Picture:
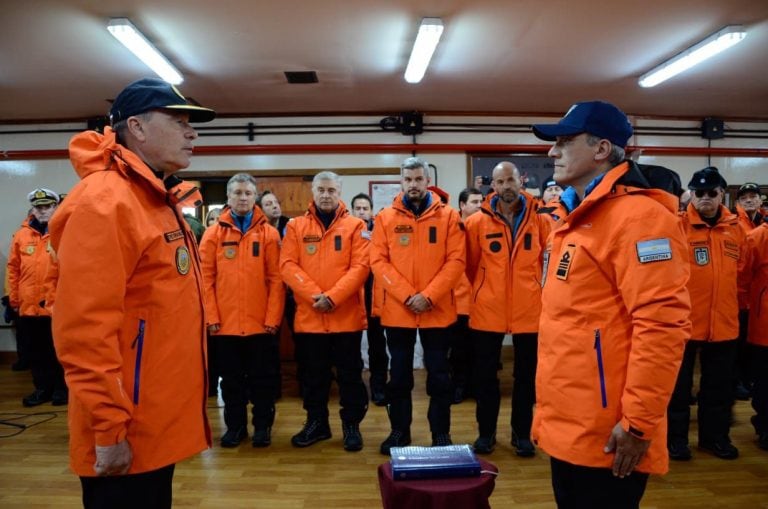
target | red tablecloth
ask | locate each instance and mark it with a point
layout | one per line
(460, 492)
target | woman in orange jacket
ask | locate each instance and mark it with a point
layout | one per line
(716, 256)
(244, 297)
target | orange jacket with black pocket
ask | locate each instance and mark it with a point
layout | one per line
(717, 257)
(243, 288)
(614, 322)
(505, 273)
(410, 255)
(334, 262)
(128, 318)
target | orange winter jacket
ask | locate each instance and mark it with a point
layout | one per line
(716, 255)
(463, 290)
(243, 288)
(756, 281)
(128, 319)
(506, 273)
(424, 254)
(28, 259)
(614, 322)
(745, 221)
(333, 262)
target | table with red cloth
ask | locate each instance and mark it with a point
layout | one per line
(458, 492)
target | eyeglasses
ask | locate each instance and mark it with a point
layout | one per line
(711, 193)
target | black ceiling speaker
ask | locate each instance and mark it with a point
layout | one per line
(411, 122)
(712, 128)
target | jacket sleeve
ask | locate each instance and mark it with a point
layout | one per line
(50, 281)
(13, 272)
(303, 286)
(743, 272)
(385, 274)
(474, 250)
(357, 272)
(275, 287)
(100, 235)
(455, 260)
(208, 246)
(656, 297)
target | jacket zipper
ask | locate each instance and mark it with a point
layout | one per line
(760, 301)
(600, 369)
(482, 282)
(138, 344)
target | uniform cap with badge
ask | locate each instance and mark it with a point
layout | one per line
(748, 187)
(43, 196)
(706, 179)
(597, 118)
(149, 94)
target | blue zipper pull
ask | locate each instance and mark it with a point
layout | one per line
(139, 335)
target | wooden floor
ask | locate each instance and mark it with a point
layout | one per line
(34, 472)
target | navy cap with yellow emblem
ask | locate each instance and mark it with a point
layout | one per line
(43, 196)
(149, 94)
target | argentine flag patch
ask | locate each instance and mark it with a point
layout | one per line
(654, 250)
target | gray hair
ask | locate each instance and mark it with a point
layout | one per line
(414, 162)
(616, 156)
(326, 175)
(121, 127)
(241, 178)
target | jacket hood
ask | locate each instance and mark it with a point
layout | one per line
(91, 152)
(626, 178)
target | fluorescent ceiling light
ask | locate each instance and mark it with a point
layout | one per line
(696, 54)
(124, 31)
(426, 41)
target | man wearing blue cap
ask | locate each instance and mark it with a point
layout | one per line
(128, 318)
(615, 315)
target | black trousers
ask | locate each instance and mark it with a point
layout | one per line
(759, 356)
(718, 372)
(317, 355)
(578, 487)
(148, 490)
(436, 342)
(248, 366)
(47, 373)
(524, 391)
(378, 360)
(213, 365)
(486, 352)
(461, 357)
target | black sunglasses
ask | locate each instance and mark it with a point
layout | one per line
(711, 193)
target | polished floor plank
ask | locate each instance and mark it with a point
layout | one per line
(34, 471)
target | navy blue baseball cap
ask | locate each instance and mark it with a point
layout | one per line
(149, 94)
(593, 117)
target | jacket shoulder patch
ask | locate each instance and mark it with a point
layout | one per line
(655, 250)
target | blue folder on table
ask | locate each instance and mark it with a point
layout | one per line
(434, 462)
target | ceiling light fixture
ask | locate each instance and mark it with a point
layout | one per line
(125, 32)
(694, 55)
(429, 34)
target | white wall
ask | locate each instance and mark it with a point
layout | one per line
(17, 178)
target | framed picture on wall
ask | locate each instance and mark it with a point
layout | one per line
(382, 192)
(533, 169)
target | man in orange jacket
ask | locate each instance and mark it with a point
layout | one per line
(756, 284)
(417, 258)
(324, 260)
(470, 200)
(128, 318)
(748, 206)
(716, 255)
(29, 258)
(244, 306)
(505, 246)
(615, 315)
